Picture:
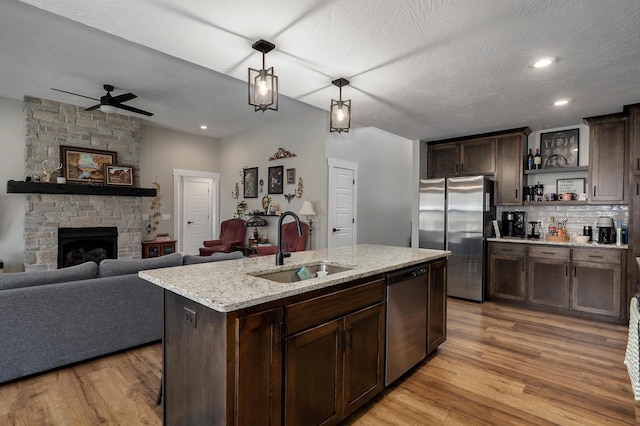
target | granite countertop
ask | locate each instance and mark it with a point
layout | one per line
(557, 243)
(228, 285)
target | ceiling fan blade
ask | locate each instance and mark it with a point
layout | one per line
(124, 97)
(75, 94)
(91, 108)
(136, 110)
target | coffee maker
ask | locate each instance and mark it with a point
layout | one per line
(513, 224)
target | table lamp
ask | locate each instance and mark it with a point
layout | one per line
(308, 210)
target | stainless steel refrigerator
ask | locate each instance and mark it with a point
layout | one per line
(456, 214)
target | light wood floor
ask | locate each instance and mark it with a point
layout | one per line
(500, 365)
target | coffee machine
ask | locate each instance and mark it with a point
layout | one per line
(513, 224)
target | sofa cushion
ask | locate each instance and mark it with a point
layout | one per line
(114, 267)
(83, 271)
(190, 259)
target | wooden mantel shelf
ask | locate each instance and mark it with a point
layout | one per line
(18, 187)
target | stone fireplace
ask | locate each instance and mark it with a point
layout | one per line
(79, 245)
(50, 124)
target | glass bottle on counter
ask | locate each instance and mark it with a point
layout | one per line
(552, 226)
(539, 192)
(537, 159)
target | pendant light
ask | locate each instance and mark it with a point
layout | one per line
(263, 84)
(340, 110)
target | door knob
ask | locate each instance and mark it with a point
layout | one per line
(336, 229)
(189, 222)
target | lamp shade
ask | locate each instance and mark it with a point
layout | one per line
(307, 209)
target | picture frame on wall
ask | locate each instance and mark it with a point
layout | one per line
(291, 176)
(560, 149)
(276, 174)
(85, 165)
(118, 175)
(250, 179)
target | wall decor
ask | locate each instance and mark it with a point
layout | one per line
(300, 188)
(116, 174)
(570, 186)
(235, 194)
(251, 182)
(275, 180)
(266, 200)
(560, 149)
(261, 185)
(282, 153)
(155, 206)
(47, 174)
(85, 164)
(289, 197)
(291, 175)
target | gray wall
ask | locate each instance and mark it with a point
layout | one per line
(162, 151)
(385, 183)
(11, 167)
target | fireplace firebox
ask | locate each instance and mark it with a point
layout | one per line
(79, 245)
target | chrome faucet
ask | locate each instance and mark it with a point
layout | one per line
(279, 255)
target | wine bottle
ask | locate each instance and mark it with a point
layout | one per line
(537, 159)
(530, 160)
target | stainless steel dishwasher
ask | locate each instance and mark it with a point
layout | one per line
(406, 320)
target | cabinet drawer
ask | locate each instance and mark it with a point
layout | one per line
(308, 313)
(512, 249)
(611, 256)
(550, 252)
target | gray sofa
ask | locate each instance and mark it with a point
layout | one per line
(54, 318)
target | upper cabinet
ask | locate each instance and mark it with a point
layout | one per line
(509, 168)
(464, 158)
(608, 165)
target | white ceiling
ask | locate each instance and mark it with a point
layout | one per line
(419, 69)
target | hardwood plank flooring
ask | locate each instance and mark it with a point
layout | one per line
(500, 365)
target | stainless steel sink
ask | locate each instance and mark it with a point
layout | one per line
(291, 276)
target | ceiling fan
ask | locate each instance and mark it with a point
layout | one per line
(110, 103)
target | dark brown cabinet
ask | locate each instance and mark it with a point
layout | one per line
(584, 282)
(334, 367)
(548, 276)
(634, 202)
(437, 306)
(608, 159)
(509, 169)
(596, 282)
(465, 158)
(507, 271)
(258, 367)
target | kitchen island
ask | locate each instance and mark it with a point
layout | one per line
(241, 349)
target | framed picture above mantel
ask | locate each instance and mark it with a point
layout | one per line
(85, 165)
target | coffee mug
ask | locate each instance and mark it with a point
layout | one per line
(566, 197)
(583, 197)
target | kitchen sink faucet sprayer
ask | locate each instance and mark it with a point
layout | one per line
(279, 255)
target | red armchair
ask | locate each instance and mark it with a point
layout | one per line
(290, 237)
(232, 232)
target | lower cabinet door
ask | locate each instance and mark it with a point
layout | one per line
(437, 306)
(363, 356)
(313, 373)
(596, 288)
(548, 282)
(507, 277)
(259, 368)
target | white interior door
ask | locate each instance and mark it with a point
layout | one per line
(197, 213)
(196, 208)
(342, 203)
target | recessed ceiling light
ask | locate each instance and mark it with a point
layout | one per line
(561, 102)
(203, 126)
(543, 62)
